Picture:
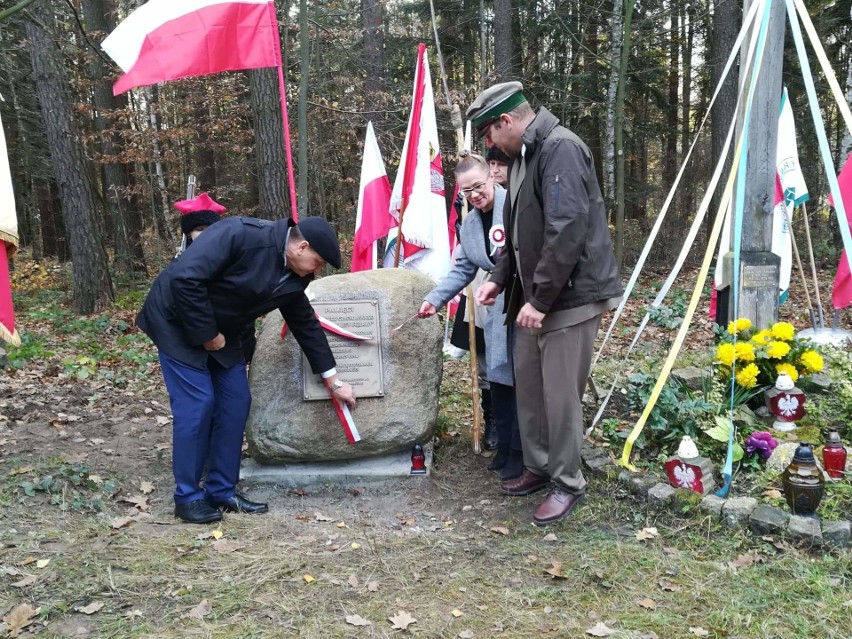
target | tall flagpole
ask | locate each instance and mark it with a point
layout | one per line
(282, 91)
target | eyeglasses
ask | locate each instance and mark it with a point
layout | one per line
(476, 188)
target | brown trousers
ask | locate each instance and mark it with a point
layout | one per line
(551, 372)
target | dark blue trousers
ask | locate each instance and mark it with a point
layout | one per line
(210, 407)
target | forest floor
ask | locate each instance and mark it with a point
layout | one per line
(89, 546)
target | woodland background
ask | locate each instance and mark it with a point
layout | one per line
(95, 176)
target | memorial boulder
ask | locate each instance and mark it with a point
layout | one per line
(396, 374)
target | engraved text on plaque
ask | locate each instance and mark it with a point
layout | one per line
(359, 362)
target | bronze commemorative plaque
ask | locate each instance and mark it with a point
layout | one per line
(359, 361)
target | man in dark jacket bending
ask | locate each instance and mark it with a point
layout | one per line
(196, 313)
(559, 273)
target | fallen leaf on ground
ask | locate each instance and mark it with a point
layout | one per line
(19, 618)
(600, 629)
(341, 524)
(353, 581)
(699, 631)
(555, 570)
(308, 579)
(201, 610)
(226, 545)
(466, 634)
(772, 493)
(210, 534)
(373, 586)
(26, 581)
(21, 470)
(500, 530)
(742, 561)
(140, 501)
(647, 533)
(549, 537)
(650, 604)
(669, 586)
(456, 613)
(91, 609)
(42, 563)
(146, 487)
(401, 620)
(355, 545)
(27, 561)
(320, 517)
(122, 522)
(357, 620)
(162, 421)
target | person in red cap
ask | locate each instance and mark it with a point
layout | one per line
(237, 270)
(196, 215)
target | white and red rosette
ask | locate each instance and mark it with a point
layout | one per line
(497, 236)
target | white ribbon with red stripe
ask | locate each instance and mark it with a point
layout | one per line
(344, 416)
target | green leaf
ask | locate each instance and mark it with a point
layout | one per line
(738, 452)
(721, 431)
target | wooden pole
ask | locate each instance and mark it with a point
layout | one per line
(455, 114)
(820, 317)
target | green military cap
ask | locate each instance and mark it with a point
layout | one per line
(494, 102)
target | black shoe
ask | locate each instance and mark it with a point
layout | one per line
(197, 512)
(500, 458)
(239, 504)
(514, 465)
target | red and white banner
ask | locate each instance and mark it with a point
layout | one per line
(373, 220)
(841, 294)
(8, 245)
(418, 191)
(169, 39)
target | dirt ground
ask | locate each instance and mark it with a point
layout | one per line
(90, 548)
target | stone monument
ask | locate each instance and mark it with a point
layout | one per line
(396, 374)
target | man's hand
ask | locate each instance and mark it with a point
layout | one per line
(215, 344)
(427, 310)
(345, 394)
(487, 294)
(529, 317)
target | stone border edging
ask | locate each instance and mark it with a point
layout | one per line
(734, 512)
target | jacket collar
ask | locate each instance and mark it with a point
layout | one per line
(539, 129)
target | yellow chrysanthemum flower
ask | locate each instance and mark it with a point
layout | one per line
(789, 369)
(812, 361)
(762, 337)
(777, 350)
(744, 352)
(725, 354)
(783, 331)
(739, 325)
(747, 377)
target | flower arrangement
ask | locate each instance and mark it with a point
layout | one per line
(756, 358)
(762, 443)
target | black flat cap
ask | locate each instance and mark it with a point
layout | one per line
(322, 238)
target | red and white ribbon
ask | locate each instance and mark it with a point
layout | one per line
(344, 416)
(497, 235)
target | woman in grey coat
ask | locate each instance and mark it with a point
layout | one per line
(481, 237)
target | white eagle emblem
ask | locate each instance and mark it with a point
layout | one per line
(788, 405)
(684, 476)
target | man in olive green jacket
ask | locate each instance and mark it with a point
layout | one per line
(560, 276)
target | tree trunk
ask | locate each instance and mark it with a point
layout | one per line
(726, 20)
(617, 26)
(305, 64)
(269, 145)
(671, 134)
(92, 283)
(846, 143)
(619, 133)
(126, 221)
(374, 59)
(687, 195)
(504, 51)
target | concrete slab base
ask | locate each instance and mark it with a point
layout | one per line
(343, 473)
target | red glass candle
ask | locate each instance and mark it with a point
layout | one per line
(418, 460)
(834, 455)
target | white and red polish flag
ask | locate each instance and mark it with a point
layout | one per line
(8, 245)
(841, 294)
(373, 220)
(170, 39)
(418, 191)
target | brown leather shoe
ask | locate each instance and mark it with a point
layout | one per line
(526, 484)
(556, 506)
